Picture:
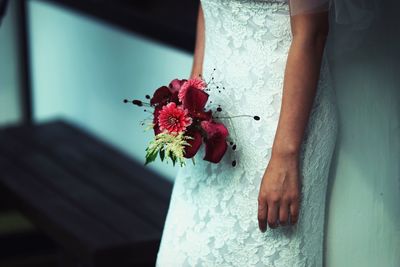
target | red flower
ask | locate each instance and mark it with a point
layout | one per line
(195, 101)
(156, 127)
(161, 96)
(173, 118)
(195, 143)
(164, 94)
(196, 83)
(216, 145)
(190, 117)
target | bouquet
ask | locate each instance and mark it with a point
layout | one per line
(181, 123)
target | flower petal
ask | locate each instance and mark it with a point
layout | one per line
(213, 129)
(203, 115)
(161, 96)
(195, 100)
(173, 118)
(215, 149)
(174, 98)
(175, 85)
(195, 143)
(156, 126)
(215, 141)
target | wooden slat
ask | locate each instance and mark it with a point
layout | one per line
(41, 204)
(21, 243)
(58, 147)
(75, 158)
(100, 207)
(113, 159)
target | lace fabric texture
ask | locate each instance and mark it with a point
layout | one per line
(212, 217)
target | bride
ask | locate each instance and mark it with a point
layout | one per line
(263, 204)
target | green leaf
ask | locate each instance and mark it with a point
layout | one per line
(162, 154)
(173, 159)
(151, 157)
(182, 162)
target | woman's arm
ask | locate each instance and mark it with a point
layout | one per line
(280, 190)
(301, 77)
(197, 67)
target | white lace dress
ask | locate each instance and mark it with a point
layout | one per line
(212, 217)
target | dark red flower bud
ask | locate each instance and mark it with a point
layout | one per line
(161, 96)
(215, 141)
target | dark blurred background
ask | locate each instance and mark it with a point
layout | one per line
(73, 191)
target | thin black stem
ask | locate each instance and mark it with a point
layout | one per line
(229, 117)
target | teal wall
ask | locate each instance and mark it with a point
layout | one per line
(363, 226)
(9, 69)
(83, 69)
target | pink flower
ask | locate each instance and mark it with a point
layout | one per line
(175, 85)
(195, 83)
(173, 118)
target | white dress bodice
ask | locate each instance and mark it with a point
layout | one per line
(212, 218)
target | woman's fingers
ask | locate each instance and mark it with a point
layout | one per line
(294, 212)
(273, 213)
(284, 213)
(262, 216)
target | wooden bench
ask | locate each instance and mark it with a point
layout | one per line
(101, 207)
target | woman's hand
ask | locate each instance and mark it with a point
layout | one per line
(279, 193)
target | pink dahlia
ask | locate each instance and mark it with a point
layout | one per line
(195, 83)
(173, 118)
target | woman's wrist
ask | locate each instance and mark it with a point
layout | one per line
(286, 151)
